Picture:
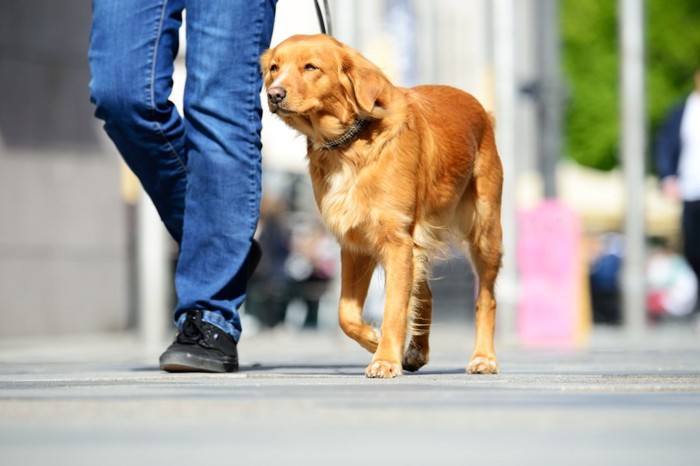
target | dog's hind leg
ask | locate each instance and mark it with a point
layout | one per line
(485, 242)
(483, 360)
(356, 275)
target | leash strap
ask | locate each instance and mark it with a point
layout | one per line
(325, 24)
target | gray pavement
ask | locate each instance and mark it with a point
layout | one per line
(301, 399)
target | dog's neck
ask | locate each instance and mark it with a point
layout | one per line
(348, 136)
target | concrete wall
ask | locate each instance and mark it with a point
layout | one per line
(63, 261)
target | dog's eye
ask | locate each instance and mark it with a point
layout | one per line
(274, 67)
(310, 67)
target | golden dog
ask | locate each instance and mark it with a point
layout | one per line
(396, 173)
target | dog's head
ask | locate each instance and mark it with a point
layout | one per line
(311, 78)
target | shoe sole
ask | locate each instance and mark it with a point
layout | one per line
(187, 362)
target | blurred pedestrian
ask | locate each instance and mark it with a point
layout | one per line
(270, 286)
(311, 265)
(678, 164)
(201, 170)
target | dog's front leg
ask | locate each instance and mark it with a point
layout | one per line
(398, 262)
(356, 274)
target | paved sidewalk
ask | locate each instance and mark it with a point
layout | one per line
(301, 399)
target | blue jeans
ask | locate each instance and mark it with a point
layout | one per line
(201, 170)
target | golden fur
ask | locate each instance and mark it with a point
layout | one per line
(422, 171)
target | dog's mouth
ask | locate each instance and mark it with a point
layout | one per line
(284, 112)
(280, 110)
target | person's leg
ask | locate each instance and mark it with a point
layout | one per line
(691, 237)
(222, 130)
(133, 44)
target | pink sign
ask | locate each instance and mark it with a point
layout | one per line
(550, 264)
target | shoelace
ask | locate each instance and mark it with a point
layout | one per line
(197, 332)
(191, 329)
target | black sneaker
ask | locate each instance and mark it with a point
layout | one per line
(200, 347)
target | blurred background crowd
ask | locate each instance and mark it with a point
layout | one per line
(71, 254)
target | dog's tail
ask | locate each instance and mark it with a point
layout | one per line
(492, 119)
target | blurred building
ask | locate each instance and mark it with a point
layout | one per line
(63, 261)
(65, 257)
(64, 249)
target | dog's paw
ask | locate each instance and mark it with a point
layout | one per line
(414, 359)
(383, 370)
(483, 365)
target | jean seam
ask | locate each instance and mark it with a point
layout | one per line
(159, 127)
(252, 118)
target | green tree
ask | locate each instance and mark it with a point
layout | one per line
(589, 31)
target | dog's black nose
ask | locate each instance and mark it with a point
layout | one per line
(276, 94)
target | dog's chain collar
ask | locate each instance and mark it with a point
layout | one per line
(349, 135)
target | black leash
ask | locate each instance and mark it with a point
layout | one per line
(325, 23)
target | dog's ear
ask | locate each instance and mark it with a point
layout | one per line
(367, 81)
(265, 60)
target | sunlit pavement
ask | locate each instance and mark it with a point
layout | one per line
(301, 399)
